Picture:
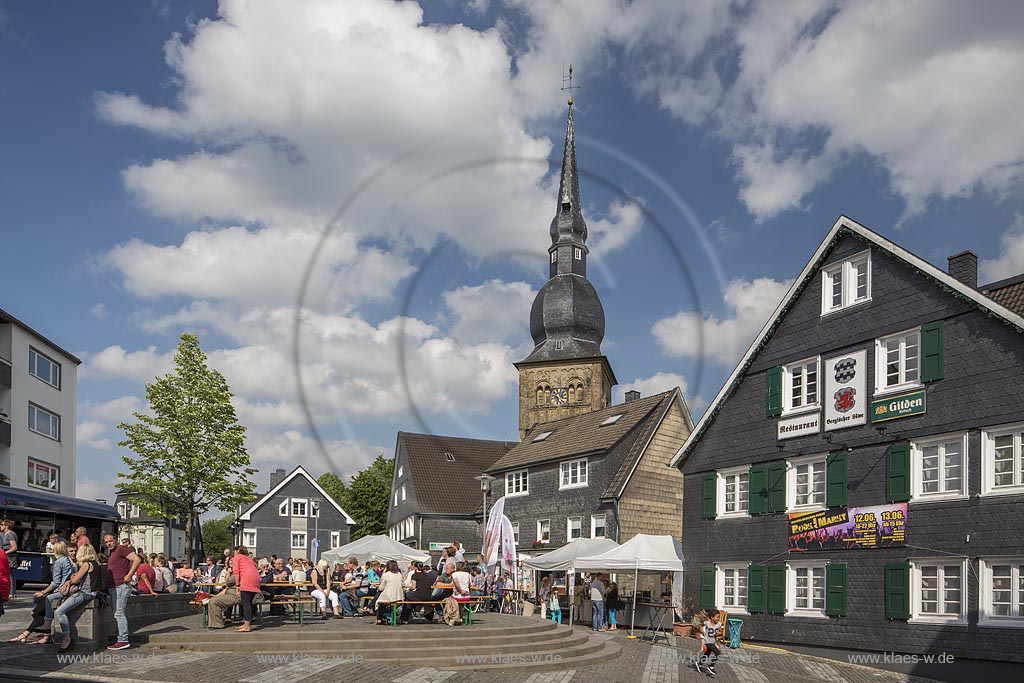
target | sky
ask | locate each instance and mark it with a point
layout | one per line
(349, 201)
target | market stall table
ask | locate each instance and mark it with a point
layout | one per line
(656, 626)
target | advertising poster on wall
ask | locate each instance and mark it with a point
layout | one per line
(846, 396)
(878, 526)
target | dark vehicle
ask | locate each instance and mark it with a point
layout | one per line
(37, 513)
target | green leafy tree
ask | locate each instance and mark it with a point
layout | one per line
(366, 498)
(335, 488)
(217, 535)
(189, 456)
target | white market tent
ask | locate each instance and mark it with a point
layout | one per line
(564, 559)
(380, 548)
(642, 553)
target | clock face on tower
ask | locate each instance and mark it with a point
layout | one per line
(558, 397)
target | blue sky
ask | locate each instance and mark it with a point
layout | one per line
(171, 167)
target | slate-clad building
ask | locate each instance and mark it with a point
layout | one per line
(859, 480)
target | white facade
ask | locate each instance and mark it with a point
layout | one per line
(38, 409)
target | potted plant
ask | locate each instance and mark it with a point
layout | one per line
(686, 629)
(538, 543)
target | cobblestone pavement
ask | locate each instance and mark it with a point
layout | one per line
(640, 661)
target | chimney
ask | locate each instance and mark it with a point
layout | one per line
(276, 477)
(964, 267)
(632, 395)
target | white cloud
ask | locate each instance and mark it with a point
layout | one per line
(722, 340)
(114, 362)
(92, 434)
(90, 489)
(1010, 261)
(99, 311)
(293, 447)
(492, 312)
(657, 383)
(616, 230)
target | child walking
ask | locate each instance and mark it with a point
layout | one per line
(709, 652)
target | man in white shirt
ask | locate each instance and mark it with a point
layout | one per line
(459, 552)
(597, 591)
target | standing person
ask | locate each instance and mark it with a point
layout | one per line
(614, 603)
(248, 578)
(88, 579)
(544, 596)
(122, 563)
(709, 652)
(81, 537)
(460, 553)
(390, 591)
(443, 562)
(9, 544)
(597, 591)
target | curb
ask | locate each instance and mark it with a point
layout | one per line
(35, 675)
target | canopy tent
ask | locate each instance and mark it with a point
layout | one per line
(380, 548)
(642, 553)
(564, 559)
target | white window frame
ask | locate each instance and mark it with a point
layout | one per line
(917, 447)
(396, 498)
(401, 471)
(403, 493)
(985, 610)
(540, 530)
(593, 525)
(122, 509)
(787, 386)
(246, 542)
(517, 483)
(554, 256)
(577, 253)
(988, 459)
(515, 532)
(916, 616)
(849, 283)
(54, 421)
(33, 368)
(582, 467)
(791, 477)
(880, 362)
(52, 477)
(741, 569)
(723, 477)
(611, 420)
(336, 539)
(568, 527)
(305, 508)
(305, 540)
(284, 509)
(792, 568)
(134, 511)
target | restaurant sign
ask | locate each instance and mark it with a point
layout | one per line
(849, 528)
(895, 407)
(435, 546)
(801, 425)
(846, 390)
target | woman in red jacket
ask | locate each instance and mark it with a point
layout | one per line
(248, 576)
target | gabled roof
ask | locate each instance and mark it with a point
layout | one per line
(583, 434)
(297, 472)
(844, 226)
(1008, 293)
(443, 486)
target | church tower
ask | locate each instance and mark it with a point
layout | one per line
(566, 374)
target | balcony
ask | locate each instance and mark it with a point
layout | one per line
(5, 373)
(5, 432)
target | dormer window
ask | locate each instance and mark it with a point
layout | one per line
(558, 345)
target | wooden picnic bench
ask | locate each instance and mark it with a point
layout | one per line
(464, 607)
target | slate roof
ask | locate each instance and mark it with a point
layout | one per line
(444, 487)
(1009, 293)
(583, 434)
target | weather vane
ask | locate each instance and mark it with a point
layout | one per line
(567, 82)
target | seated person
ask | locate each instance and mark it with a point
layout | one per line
(278, 574)
(224, 601)
(349, 585)
(443, 584)
(185, 577)
(461, 582)
(147, 578)
(420, 591)
(476, 583)
(299, 571)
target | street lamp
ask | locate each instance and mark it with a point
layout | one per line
(485, 485)
(315, 507)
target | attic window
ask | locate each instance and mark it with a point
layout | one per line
(611, 420)
(558, 345)
(566, 206)
(450, 457)
(542, 436)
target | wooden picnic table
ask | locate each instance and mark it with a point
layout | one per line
(464, 606)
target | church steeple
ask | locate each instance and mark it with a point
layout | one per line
(568, 224)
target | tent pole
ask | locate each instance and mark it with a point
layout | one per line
(569, 590)
(632, 620)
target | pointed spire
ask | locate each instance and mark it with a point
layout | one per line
(568, 224)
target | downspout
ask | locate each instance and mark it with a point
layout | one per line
(419, 535)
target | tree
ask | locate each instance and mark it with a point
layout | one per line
(189, 455)
(217, 535)
(367, 498)
(335, 488)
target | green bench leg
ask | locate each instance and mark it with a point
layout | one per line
(206, 613)
(394, 615)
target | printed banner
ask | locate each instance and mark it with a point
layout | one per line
(895, 407)
(877, 526)
(846, 395)
(801, 425)
(508, 548)
(492, 539)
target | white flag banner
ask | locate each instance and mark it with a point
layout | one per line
(508, 547)
(492, 537)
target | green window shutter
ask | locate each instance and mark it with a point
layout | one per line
(835, 479)
(709, 492)
(897, 473)
(758, 490)
(933, 339)
(773, 394)
(776, 589)
(777, 487)
(755, 588)
(707, 587)
(897, 590)
(835, 589)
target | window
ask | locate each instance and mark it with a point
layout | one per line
(846, 283)
(577, 253)
(806, 590)
(543, 394)
(249, 539)
(335, 539)
(574, 474)
(43, 475)
(409, 528)
(1002, 592)
(1002, 460)
(544, 530)
(800, 388)
(515, 533)
(611, 420)
(937, 590)
(450, 457)
(283, 508)
(805, 486)
(298, 540)
(134, 511)
(42, 421)
(401, 471)
(122, 509)
(517, 483)
(734, 491)
(44, 368)
(554, 256)
(598, 526)
(559, 344)
(732, 587)
(542, 436)
(403, 493)
(574, 528)
(939, 468)
(898, 361)
(299, 507)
